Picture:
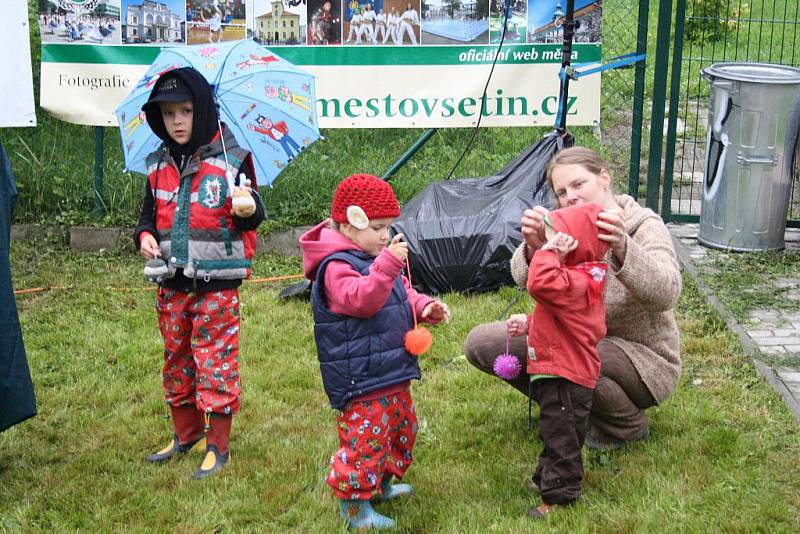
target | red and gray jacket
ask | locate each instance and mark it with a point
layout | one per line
(196, 231)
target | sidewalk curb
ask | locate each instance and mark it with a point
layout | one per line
(90, 239)
(747, 344)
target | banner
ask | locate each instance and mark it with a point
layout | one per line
(378, 64)
(16, 77)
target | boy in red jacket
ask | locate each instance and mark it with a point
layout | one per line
(566, 278)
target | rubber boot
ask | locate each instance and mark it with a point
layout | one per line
(217, 438)
(189, 433)
(360, 514)
(188, 422)
(391, 491)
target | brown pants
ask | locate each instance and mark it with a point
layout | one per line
(619, 397)
(563, 410)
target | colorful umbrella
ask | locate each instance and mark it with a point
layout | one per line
(267, 103)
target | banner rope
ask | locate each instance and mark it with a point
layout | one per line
(507, 8)
(271, 279)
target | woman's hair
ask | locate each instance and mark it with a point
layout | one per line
(576, 155)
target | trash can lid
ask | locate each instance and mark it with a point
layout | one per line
(754, 72)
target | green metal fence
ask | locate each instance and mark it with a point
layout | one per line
(707, 32)
(625, 25)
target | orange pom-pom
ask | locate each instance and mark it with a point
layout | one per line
(418, 341)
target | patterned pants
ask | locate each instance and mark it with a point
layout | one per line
(376, 438)
(201, 349)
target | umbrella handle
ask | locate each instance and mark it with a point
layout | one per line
(231, 182)
(228, 173)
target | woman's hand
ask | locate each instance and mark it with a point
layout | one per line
(517, 325)
(533, 229)
(611, 224)
(148, 246)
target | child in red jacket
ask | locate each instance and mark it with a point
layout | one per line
(566, 278)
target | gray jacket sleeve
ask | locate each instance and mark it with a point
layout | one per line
(519, 266)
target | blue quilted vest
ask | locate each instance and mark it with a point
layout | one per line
(357, 356)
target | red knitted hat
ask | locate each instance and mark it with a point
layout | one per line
(368, 192)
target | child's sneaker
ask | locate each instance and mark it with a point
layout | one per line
(213, 462)
(174, 449)
(360, 514)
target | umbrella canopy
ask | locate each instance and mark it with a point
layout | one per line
(268, 103)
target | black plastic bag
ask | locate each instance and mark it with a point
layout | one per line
(462, 233)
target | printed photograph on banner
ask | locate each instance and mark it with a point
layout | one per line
(408, 29)
(516, 24)
(359, 22)
(153, 21)
(325, 24)
(80, 21)
(214, 21)
(545, 18)
(277, 22)
(381, 22)
(455, 21)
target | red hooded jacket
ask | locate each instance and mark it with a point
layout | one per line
(569, 319)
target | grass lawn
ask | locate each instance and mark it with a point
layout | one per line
(723, 455)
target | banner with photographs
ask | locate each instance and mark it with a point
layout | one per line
(379, 63)
(16, 79)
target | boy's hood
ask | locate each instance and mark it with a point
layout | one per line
(319, 243)
(204, 123)
(579, 222)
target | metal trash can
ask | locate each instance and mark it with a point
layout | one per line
(752, 135)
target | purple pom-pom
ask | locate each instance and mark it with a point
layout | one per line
(507, 366)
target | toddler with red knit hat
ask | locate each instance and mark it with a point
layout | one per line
(363, 306)
(566, 277)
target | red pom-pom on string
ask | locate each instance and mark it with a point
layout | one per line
(418, 341)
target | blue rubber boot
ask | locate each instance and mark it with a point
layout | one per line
(391, 491)
(360, 514)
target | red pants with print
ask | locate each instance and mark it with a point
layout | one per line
(201, 349)
(376, 438)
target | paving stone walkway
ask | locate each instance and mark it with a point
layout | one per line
(766, 331)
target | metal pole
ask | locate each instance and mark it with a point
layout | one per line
(568, 26)
(672, 121)
(421, 140)
(659, 99)
(99, 209)
(638, 101)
